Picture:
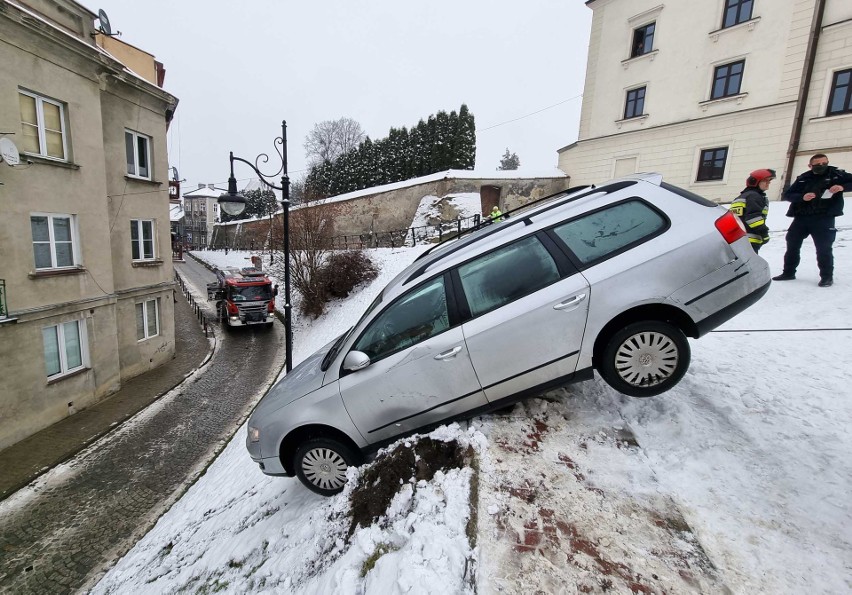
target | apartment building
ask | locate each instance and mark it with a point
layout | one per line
(705, 92)
(84, 232)
(201, 211)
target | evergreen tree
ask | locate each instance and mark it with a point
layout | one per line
(466, 136)
(509, 161)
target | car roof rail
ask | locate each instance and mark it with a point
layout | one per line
(571, 194)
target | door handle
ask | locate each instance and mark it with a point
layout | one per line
(449, 354)
(570, 302)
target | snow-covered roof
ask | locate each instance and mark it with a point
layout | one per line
(458, 174)
(176, 212)
(205, 192)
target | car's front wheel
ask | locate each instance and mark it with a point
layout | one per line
(321, 464)
(645, 358)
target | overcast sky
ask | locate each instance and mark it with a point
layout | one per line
(240, 68)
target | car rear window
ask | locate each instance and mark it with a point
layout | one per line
(596, 235)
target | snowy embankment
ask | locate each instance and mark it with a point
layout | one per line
(738, 478)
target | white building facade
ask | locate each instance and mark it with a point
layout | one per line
(705, 92)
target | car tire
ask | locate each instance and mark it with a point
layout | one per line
(645, 358)
(321, 464)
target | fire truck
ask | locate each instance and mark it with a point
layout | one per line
(243, 297)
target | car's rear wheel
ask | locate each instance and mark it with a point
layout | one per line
(321, 464)
(645, 358)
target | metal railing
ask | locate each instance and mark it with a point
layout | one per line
(436, 233)
(200, 314)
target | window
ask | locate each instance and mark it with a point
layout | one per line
(635, 104)
(54, 245)
(147, 319)
(727, 79)
(507, 274)
(415, 317)
(736, 12)
(602, 233)
(142, 239)
(138, 149)
(712, 164)
(43, 124)
(64, 347)
(643, 40)
(840, 100)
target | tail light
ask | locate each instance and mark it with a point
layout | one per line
(232, 308)
(730, 226)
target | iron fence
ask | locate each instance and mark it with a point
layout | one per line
(4, 310)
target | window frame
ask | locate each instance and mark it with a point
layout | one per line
(701, 161)
(62, 348)
(646, 47)
(834, 88)
(634, 101)
(736, 6)
(41, 128)
(136, 136)
(727, 79)
(146, 321)
(51, 241)
(139, 243)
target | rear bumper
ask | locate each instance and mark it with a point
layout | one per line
(725, 314)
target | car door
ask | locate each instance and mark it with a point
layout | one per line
(420, 371)
(527, 317)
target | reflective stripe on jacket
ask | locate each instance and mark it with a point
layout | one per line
(752, 207)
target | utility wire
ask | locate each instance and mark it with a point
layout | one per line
(530, 114)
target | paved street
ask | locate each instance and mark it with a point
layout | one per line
(60, 533)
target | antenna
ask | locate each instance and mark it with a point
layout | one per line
(103, 25)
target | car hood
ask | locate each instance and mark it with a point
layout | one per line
(300, 381)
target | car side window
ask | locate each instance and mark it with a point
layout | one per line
(415, 317)
(596, 235)
(507, 274)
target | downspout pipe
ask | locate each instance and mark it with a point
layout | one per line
(801, 104)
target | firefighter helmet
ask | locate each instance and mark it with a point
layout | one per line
(758, 175)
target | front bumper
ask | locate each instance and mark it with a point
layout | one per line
(272, 466)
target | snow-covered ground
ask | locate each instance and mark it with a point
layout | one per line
(741, 479)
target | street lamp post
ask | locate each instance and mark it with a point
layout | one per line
(234, 204)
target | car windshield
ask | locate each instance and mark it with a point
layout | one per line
(251, 293)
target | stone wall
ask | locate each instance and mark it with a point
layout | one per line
(394, 209)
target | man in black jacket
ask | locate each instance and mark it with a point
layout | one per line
(816, 198)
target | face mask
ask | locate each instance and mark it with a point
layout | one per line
(820, 169)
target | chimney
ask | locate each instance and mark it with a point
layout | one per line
(200, 186)
(211, 186)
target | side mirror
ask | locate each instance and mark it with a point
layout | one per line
(355, 360)
(274, 290)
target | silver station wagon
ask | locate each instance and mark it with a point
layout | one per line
(612, 278)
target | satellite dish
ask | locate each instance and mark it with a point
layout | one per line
(9, 152)
(103, 19)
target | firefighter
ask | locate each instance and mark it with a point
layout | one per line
(752, 206)
(496, 216)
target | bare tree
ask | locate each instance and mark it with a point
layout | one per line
(330, 139)
(311, 230)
